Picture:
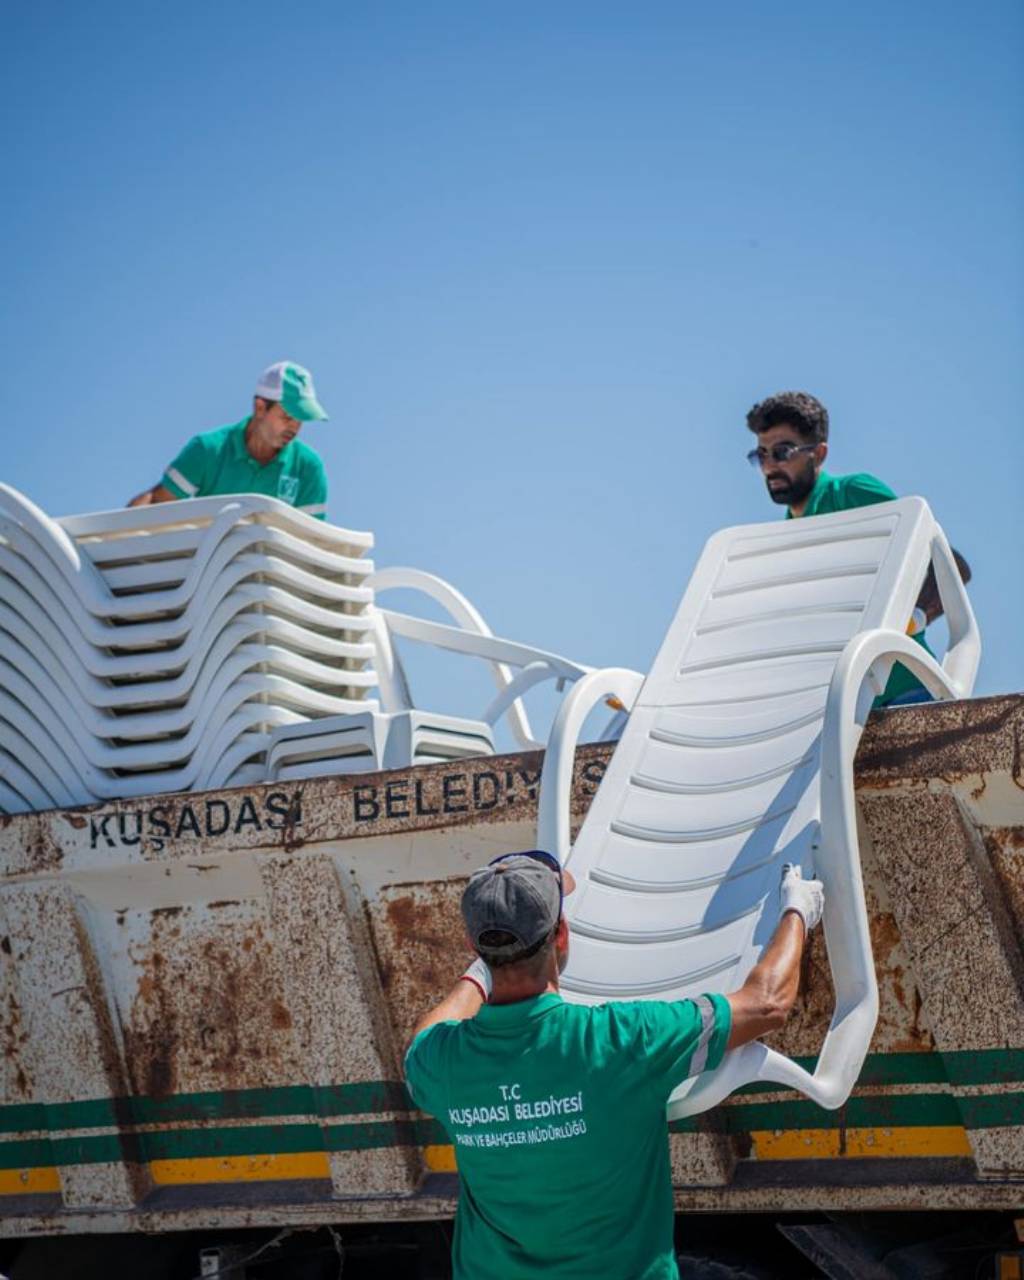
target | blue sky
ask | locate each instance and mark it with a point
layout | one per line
(541, 259)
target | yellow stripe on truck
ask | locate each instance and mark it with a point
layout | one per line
(824, 1144)
(440, 1159)
(199, 1169)
(787, 1144)
(812, 1144)
(27, 1182)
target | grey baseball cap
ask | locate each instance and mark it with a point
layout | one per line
(519, 894)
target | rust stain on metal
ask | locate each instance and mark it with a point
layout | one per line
(419, 940)
(292, 837)
(45, 851)
(207, 1012)
(109, 1050)
(942, 740)
(1005, 847)
(280, 1018)
(14, 1035)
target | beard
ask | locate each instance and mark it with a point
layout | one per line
(790, 491)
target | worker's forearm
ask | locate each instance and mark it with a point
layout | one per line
(763, 1003)
(777, 973)
(148, 497)
(463, 1001)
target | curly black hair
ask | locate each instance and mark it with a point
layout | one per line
(796, 409)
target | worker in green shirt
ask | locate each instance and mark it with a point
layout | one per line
(792, 445)
(557, 1111)
(260, 454)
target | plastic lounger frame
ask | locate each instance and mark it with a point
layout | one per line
(861, 668)
(470, 636)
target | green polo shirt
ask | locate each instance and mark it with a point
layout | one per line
(557, 1115)
(218, 462)
(842, 493)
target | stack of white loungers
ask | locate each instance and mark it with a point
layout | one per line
(157, 649)
(220, 642)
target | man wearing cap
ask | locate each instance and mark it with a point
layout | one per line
(557, 1111)
(260, 454)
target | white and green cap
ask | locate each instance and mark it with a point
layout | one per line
(292, 386)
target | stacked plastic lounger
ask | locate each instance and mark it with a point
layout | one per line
(737, 758)
(341, 744)
(156, 649)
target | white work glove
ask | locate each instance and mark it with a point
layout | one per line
(805, 897)
(480, 976)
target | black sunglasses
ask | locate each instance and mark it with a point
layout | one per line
(538, 855)
(778, 453)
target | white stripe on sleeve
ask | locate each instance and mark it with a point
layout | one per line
(707, 1028)
(174, 474)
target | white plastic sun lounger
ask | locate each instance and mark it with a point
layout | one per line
(738, 757)
(233, 590)
(218, 641)
(154, 649)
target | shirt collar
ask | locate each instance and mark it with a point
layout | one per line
(499, 1017)
(237, 438)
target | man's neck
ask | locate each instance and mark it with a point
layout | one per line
(256, 446)
(514, 992)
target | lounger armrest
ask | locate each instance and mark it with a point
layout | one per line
(847, 929)
(532, 674)
(556, 778)
(961, 661)
(871, 647)
(472, 636)
(477, 645)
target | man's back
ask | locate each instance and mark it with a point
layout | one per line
(570, 1098)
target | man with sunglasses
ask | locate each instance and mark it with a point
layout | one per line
(557, 1111)
(792, 445)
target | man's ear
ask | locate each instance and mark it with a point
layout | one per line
(821, 453)
(562, 934)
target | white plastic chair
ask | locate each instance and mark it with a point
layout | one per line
(401, 734)
(738, 757)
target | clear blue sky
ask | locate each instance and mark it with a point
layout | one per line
(541, 259)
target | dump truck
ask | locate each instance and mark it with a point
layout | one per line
(232, 849)
(206, 996)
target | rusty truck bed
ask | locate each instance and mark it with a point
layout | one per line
(205, 996)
